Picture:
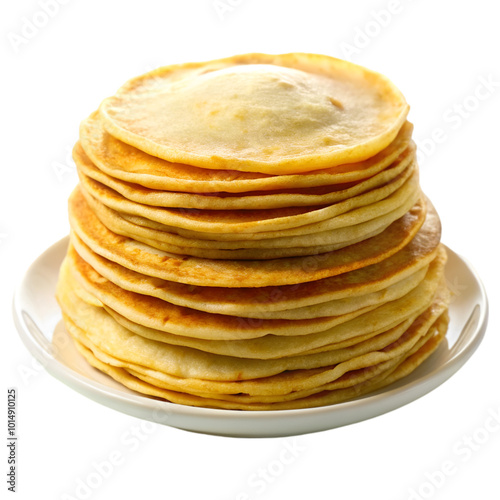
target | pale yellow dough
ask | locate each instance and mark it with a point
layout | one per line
(274, 114)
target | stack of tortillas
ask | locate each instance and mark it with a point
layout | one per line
(250, 233)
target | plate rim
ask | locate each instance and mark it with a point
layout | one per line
(386, 400)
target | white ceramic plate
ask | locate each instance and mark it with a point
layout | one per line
(38, 320)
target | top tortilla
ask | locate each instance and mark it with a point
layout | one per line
(274, 114)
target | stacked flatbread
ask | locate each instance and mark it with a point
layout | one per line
(250, 233)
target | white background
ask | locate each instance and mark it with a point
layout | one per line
(438, 53)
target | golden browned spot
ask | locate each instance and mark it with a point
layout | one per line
(336, 103)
